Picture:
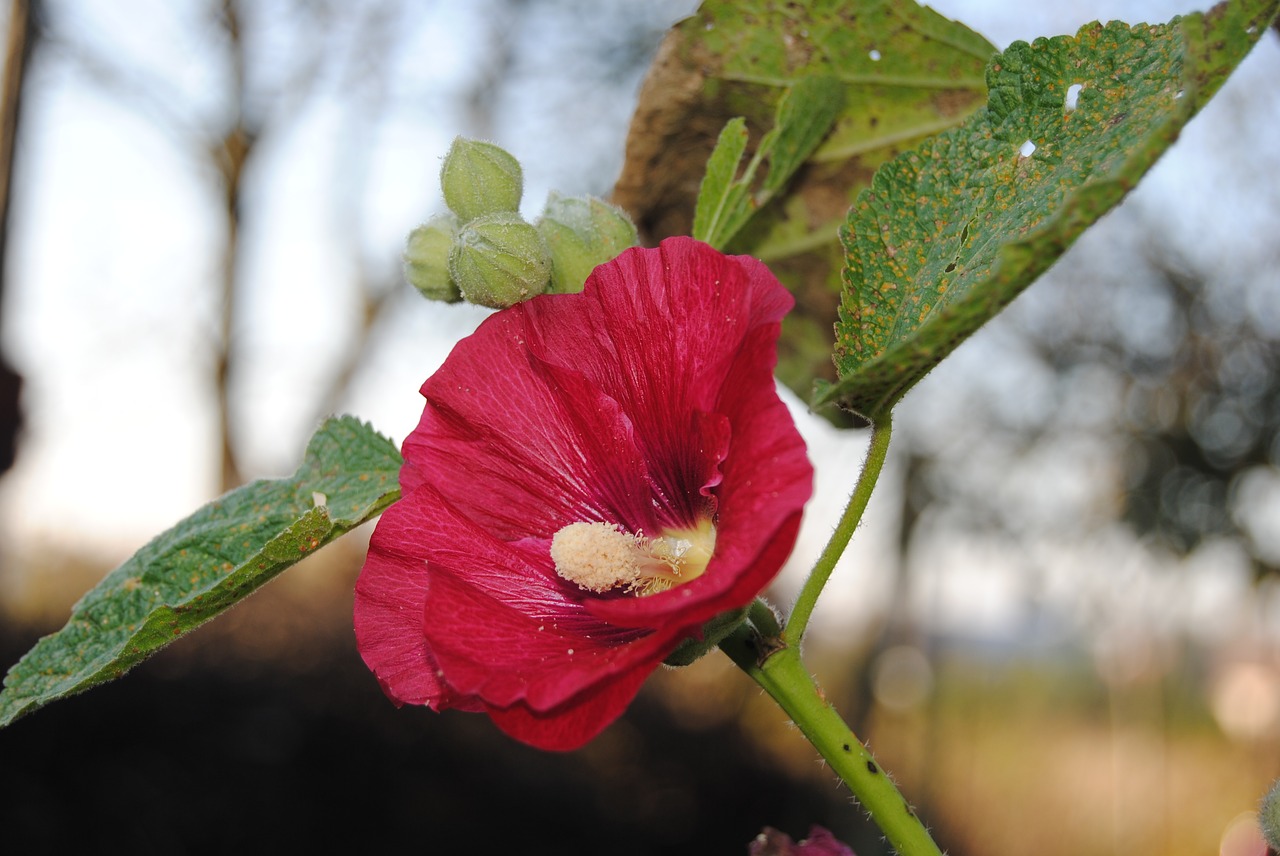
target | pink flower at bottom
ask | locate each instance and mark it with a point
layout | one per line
(820, 842)
(595, 476)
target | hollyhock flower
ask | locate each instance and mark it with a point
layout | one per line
(820, 842)
(595, 476)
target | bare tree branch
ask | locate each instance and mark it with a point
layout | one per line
(367, 78)
(230, 157)
(22, 37)
(225, 152)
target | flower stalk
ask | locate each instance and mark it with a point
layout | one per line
(881, 431)
(772, 659)
(777, 668)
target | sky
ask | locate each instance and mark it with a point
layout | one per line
(117, 238)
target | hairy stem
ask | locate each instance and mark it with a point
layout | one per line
(777, 668)
(808, 598)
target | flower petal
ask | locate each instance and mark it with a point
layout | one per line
(494, 624)
(388, 618)
(766, 480)
(664, 349)
(523, 446)
(820, 842)
(572, 727)
(501, 654)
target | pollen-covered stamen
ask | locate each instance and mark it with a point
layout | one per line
(596, 556)
(601, 556)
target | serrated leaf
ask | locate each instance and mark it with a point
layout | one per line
(947, 235)
(207, 563)
(904, 71)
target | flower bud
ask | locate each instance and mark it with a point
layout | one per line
(582, 232)
(426, 258)
(480, 178)
(1269, 816)
(499, 260)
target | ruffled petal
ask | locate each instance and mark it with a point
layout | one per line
(645, 338)
(523, 446)
(577, 723)
(766, 479)
(472, 621)
(502, 654)
(389, 597)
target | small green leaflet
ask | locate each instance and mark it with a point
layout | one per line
(207, 563)
(806, 112)
(948, 234)
(720, 192)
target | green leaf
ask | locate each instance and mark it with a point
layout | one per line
(716, 190)
(207, 563)
(948, 234)
(806, 113)
(903, 72)
(726, 202)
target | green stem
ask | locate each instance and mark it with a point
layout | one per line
(808, 598)
(777, 668)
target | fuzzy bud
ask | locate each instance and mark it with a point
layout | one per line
(426, 258)
(480, 178)
(1269, 817)
(582, 232)
(500, 260)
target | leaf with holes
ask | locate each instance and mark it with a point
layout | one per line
(948, 234)
(207, 563)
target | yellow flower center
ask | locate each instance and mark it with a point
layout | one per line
(601, 556)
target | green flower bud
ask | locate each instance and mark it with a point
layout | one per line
(426, 258)
(1269, 817)
(499, 260)
(480, 178)
(582, 232)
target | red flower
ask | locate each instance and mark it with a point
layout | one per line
(595, 476)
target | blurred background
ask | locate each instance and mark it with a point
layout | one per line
(1058, 626)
